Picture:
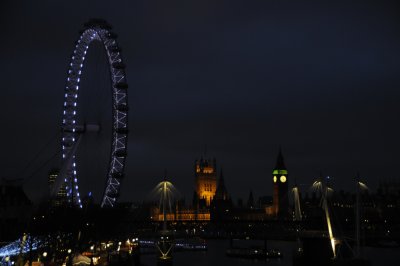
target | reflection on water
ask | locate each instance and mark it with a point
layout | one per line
(215, 256)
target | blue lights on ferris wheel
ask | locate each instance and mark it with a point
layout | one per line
(120, 107)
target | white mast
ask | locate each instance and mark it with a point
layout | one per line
(324, 194)
(163, 203)
(357, 213)
(359, 186)
(297, 208)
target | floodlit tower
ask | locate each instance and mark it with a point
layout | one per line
(205, 171)
(280, 188)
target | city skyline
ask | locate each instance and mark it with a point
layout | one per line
(319, 80)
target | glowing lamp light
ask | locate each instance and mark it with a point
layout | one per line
(44, 254)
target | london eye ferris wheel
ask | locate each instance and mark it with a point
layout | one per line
(94, 31)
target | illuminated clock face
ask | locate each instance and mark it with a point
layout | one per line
(283, 179)
(275, 179)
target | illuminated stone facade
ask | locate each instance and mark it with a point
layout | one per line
(182, 215)
(206, 179)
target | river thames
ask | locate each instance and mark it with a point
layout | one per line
(215, 255)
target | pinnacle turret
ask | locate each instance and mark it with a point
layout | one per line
(280, 163)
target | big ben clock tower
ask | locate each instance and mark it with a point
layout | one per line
(280, 204)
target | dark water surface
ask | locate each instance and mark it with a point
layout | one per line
(215, 256)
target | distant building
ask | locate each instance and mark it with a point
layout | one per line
(205, 173)
(389, 187)
(264, 202)
(211, 201)
(250, 201)
(205, 179)
(61, 197)
(221, 193)
(181, 214)
(221, 205)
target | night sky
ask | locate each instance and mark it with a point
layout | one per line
(320, 79)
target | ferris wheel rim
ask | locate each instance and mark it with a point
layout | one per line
(97, 30)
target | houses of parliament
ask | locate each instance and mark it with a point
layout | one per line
(211, 200)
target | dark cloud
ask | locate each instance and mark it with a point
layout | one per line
(319, 78)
